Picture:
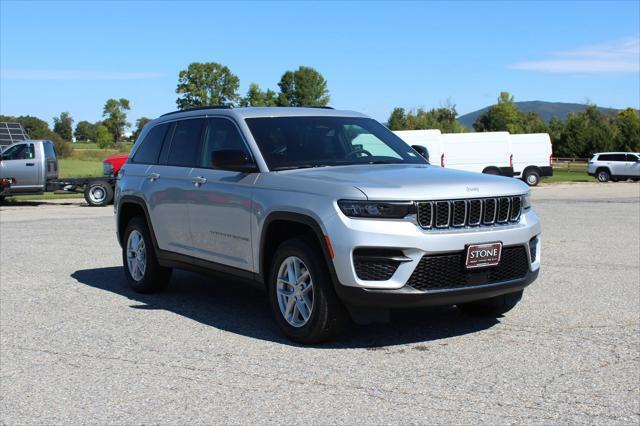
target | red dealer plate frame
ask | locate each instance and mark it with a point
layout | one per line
(483, 255)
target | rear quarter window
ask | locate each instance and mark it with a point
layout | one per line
(49, 151)
(150, 147)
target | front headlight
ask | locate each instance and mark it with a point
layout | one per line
(376, 209)
(526, 201)
(107, 168)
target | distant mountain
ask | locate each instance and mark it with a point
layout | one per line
(545, 109)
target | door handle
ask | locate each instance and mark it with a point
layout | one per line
(153, 176)
(199, 180)
(31, 164)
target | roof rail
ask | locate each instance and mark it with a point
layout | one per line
(199, 108)
(321, 107)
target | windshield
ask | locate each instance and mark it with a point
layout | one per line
(298, 142)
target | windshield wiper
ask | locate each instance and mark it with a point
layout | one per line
(298, 166)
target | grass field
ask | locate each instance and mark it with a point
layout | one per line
(563, 175)
(90, 145)
(73, 167)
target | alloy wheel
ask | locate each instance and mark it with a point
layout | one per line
(136, 255)
(294, 291)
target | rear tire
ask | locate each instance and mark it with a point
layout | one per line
(493, 307)
(532, 177)
(603, 175)
(141, 267)
(308, 311)
(98, 193)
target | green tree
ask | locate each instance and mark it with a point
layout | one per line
(116, 117)
(205, 84)
(140, 123)
(556, 127)
(443, 118)
(85, 131)
(533, 123)
(257, 98)
(63, 147)
(585, 133)
(303, 87)
(104, 138)
(504, 116)
(628, 126)
(63, 125)
(397, 119)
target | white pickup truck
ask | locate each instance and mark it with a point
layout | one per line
(32, 167)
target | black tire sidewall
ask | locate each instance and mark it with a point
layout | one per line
(155, 277)
(326, 318)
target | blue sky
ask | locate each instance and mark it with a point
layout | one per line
(73, 56)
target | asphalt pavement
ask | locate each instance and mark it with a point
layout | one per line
(77, 346)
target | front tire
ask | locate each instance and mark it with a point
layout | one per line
(603, 175)
(141, 267)
(493, 307)
(532, 177)
(98, 193)
(301, 293)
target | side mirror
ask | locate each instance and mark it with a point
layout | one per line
(422, 151)
(234, 160)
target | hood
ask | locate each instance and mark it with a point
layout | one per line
(412, 182)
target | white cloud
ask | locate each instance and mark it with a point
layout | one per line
(621, 56)
(87, 75)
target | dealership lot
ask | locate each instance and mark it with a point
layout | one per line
(76, 345)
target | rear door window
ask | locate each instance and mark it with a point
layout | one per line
(605, 157)
(619, 157)
(185, 144)
(150, 147)
(49, 151)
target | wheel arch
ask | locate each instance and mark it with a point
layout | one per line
(128, 208)
(281, 226)
(534, 168)
(491, 170)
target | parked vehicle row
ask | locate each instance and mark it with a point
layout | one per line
(525, 156)
(334, 214)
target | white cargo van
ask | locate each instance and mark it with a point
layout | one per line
(482, 152)
(531, 157)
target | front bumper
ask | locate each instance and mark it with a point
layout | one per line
(408, 297)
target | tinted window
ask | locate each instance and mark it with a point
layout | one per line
(149, 149)
(631, 157)
(605, 157)
(19, 152)
(222, 135)
(185, 143)
(619, 157)
(49, 151)
(293, 142)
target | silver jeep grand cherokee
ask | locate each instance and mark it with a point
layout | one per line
(332, 212)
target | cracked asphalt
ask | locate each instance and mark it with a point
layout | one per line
(77, 346)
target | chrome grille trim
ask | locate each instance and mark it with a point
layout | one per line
(444, 214)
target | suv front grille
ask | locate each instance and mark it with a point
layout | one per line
(447, 271)
(474, 212)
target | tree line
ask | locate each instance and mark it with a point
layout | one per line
(578, 136)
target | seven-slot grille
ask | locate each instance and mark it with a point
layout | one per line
(474, 212)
